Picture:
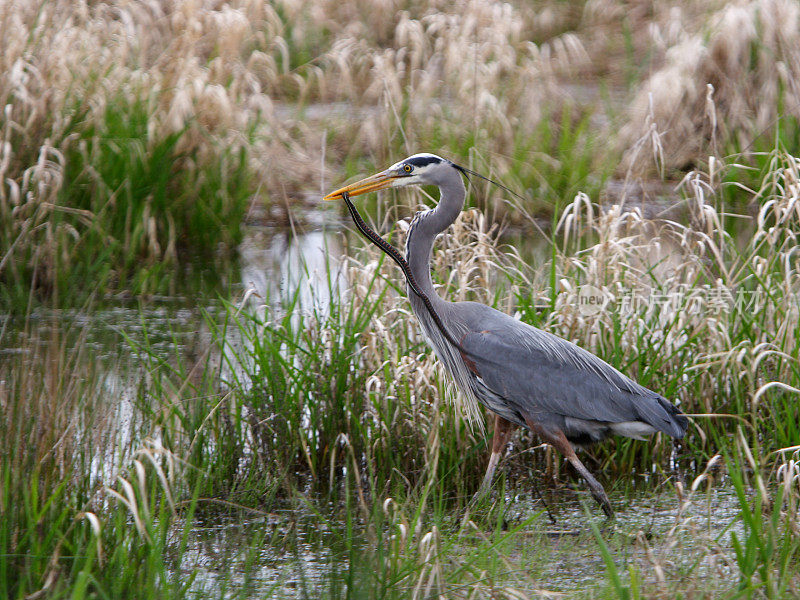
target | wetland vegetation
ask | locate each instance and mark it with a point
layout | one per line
(192, 408)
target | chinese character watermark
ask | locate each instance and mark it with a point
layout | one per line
(692, 300)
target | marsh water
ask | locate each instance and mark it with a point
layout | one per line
(222, 556)
(550, 558)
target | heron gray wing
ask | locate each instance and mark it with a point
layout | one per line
(543, 374)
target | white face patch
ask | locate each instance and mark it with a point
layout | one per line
(419, 160)
(418, 169)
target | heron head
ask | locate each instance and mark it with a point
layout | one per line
(419, 169)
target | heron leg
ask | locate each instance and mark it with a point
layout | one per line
(598, 493)
(502, 432)
(559, 441)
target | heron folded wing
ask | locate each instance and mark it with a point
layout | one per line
(541, 374)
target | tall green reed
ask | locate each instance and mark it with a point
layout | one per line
(86, 504)
(127, 207)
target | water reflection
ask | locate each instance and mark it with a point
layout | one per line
(277, 264)
(112, 345)
(297, 558)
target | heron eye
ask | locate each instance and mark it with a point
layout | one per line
(408, 168)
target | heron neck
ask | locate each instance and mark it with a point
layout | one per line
(422, 234)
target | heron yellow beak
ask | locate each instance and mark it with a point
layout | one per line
(373, 183)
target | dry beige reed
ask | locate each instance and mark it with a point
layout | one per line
(720, 87)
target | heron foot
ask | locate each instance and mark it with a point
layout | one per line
(560, 442)
(602, 499)
(597, 491)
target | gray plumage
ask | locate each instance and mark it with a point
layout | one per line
(545, 377)
(524, 375)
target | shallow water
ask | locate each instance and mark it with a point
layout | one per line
(293, 560)
(121, 335)
(289, 555)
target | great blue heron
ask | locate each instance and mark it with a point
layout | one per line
(525, 376)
